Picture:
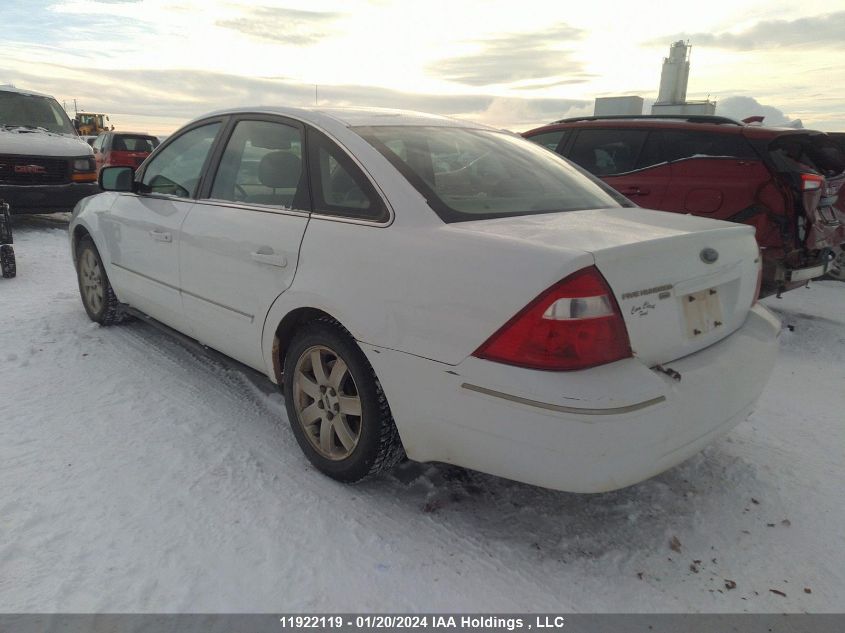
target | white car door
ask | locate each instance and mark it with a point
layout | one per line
(142, 230)
(240, 241)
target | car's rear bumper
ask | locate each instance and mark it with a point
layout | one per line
(589, 431)
(46, 198)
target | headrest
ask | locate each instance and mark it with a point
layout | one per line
(280, 170)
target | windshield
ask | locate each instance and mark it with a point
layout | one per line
(20, 110)
(471, 174)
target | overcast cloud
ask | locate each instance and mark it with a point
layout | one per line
(517, 57)
(820, 31)
(287, 26)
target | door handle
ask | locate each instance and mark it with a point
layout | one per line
(161, 236)
(634, 191)
(270, 259)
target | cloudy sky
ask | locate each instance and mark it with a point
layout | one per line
(153, 64)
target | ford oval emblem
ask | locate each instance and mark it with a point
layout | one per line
(709, 255)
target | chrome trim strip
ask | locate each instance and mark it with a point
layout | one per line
(153, 279)
(219, 305)
(260, 208)
(562, 409)
(186, 292)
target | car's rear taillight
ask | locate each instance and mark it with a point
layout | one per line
(811, 182)
(575, 324)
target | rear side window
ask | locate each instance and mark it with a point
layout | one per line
(338, 186)
(549, 140)
(262, 164)
(176, 170)
(681, 144)
(608, 152)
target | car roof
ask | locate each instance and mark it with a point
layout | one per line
(129, 133)
(656, 122)
(353, 117)
(20, 91)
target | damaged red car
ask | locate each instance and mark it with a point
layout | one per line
(787, 183)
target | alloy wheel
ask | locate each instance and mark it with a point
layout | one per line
(327, 402)
(91, 280)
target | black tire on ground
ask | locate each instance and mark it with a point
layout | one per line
(7, 261)
(378, 447)
(106, 311)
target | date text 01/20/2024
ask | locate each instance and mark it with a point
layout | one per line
(422, 622)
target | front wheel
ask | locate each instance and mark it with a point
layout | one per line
(335, 404)
(98, 297)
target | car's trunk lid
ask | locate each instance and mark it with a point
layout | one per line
(681, 282)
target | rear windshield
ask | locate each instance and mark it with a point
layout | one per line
(33, 112)
(470, 174)
(807, 152)
(134, 143)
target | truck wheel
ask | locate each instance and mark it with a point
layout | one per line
(335, 404)
(98, 298)
(7, 261)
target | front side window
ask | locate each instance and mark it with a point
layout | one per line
(262, 164)
(338, 185)
(608, 152)
(472, 174)
(177, 169)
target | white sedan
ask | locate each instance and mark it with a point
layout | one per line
(428, 287)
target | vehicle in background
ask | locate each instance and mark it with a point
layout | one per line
(7, 251)
(44, 166)
(837, 266)
(787, 183)
(426, 286)
(90, 123)
(129, 149)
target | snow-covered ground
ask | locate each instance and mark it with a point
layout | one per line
(137, 475)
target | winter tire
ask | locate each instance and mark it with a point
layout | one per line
(98, 297)
(335, 404)
(7, 261)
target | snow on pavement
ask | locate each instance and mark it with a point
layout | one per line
(138, 475)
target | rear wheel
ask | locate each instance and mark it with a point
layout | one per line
(837, 265)
(335, 404)
(7, 261)
(98, 298)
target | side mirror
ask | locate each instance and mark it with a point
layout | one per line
(117, 179)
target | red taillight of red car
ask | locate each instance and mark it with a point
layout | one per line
(575, 324)
(811, 182)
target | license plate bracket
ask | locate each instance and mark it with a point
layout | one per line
(702, 312)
